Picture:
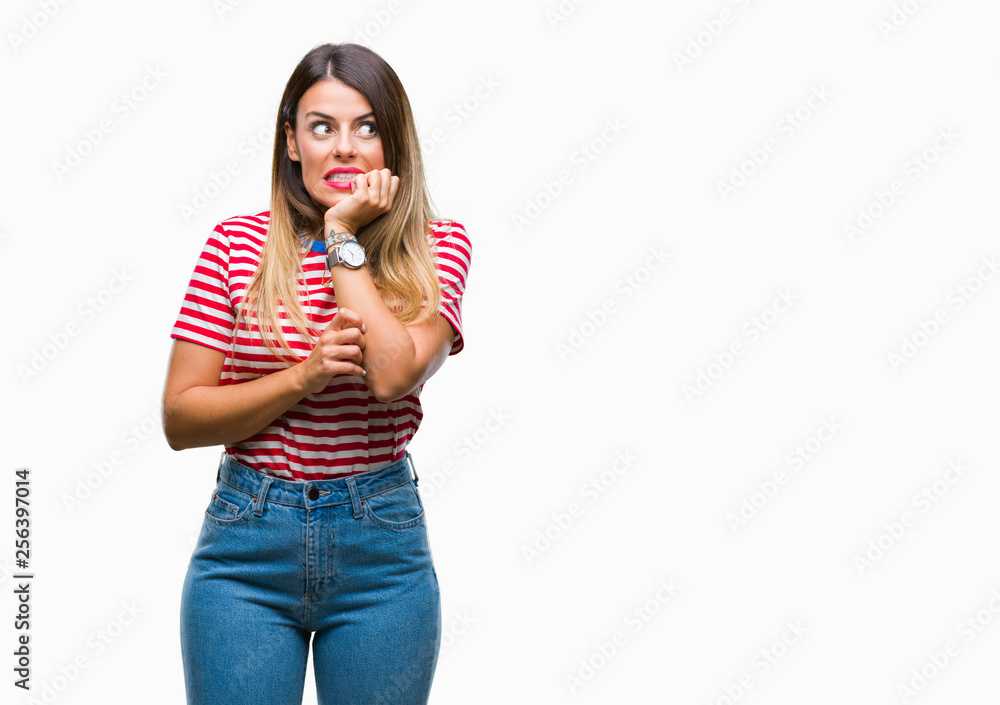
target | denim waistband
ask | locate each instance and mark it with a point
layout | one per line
(315, 493)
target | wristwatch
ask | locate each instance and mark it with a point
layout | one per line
(344, 248)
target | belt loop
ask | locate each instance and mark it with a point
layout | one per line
(218, 472)
(262, 494)
(416, 478)
(352, 488)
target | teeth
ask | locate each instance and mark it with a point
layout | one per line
(341, 177)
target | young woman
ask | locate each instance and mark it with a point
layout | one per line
(305, 337)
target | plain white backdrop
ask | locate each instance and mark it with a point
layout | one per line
(750, 247)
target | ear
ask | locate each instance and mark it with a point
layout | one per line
(293, 150)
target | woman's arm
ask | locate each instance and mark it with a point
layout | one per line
(398, 358)
(198, 412)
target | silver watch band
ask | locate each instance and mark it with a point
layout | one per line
(333, 242)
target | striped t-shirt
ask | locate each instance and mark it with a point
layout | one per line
(343, 430)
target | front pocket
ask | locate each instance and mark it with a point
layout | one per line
(229, 506)
(397, 508)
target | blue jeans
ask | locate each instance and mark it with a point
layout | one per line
(345, 562)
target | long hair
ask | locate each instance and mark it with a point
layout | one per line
(397, 243)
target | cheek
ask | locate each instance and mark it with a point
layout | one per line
(310, 151)
(310, 160)
(376, 157)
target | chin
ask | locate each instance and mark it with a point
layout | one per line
(329, 200)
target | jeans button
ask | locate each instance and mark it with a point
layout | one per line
(313, 493)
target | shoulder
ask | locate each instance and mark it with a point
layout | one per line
(445, 227)
(452, 235)
(246, 231)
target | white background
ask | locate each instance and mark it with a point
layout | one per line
(568, 387)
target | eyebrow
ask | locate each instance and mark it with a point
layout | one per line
(328, 117)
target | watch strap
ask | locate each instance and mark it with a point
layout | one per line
(333, 251)
(335, 238)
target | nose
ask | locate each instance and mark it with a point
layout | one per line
(343, 146)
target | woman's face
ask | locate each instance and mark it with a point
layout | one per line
(335, 140)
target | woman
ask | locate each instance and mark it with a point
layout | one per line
(306, 335)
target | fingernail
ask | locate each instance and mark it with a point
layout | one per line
(364, 328)
(364, 373)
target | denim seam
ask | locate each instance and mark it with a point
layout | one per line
(408, 524)
(239, 519)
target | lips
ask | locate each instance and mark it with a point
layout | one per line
(344, 174)
(341, 177)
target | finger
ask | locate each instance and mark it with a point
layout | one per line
(345, 353)
(345, 318)
(336, 323)
(393, 188)
(374, 184)
(386, 185)
(343, 331)
(349, 336)
(345, 367)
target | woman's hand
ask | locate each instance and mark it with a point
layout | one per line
(371, 196)
(337, 352)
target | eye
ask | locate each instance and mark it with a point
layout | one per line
(368, 129)
(321, 128)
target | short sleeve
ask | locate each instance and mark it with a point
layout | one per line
(452, 258)
(206, 316)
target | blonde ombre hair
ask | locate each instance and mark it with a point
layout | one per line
(397, 244)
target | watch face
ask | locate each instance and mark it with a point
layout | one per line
(352, 253)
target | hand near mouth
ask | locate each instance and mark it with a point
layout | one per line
(372, 195)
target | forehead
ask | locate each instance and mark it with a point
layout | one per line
(335, 99)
